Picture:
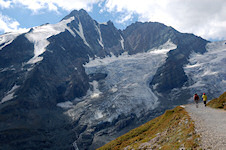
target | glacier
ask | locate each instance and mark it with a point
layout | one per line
(207, 72)
(124, 90)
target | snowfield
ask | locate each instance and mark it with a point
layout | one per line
(207, 72)
(125, 90)
(40, 34)
(7, 38)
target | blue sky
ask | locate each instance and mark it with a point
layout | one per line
(205, 18)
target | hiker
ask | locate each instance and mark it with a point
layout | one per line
(204, 98)
(196, 99)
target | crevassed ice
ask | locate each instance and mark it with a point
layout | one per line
(125, 90)
(208, 72)
(96, 93)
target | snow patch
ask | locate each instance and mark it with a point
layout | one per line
(8, 38)
(155, 86)
(96, 93)
(165, 48)
(35, 60)
(122, 42)
(10, 94)
(104, 23)
(5, 44)
(63, 48)
(40, 34)
(81, 33)
(198, 84)
(100, 41)
(98, 115)
(75, 146)
(114, 89)
(65, 105)
(11, 68)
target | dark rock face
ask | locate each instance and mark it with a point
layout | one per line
(93, 31)
(11, 56)
(11, 60)
(31, 120)
(23, 127)
(141, 37)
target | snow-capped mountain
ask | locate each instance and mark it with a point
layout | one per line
(80, 83)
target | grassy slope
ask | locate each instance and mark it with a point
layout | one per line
(172, 130)
(218, 102)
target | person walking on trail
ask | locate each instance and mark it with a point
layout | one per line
(196, 99)
(204, 98)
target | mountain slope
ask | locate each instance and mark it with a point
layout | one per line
(172, 130)
(93, 80)
(189, 128)
(218, 102)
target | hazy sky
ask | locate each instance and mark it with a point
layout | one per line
(205, 18)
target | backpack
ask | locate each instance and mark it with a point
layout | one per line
(196, 97)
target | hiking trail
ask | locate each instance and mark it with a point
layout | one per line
(210, 123)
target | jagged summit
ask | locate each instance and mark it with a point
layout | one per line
(78, 13)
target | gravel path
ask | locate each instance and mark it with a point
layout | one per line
(210, 124)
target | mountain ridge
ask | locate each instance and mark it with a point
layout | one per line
(174, 129)
(65, 63)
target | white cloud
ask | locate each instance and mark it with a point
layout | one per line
(206, 18)
(4, 4)
(125, 17)
(8, 24)
(53, 5)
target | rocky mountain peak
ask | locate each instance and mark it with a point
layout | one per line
(110, 23)
(78, 13)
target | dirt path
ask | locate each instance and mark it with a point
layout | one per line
(210, 124)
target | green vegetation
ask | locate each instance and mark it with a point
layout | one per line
(218, 102)
(172, 130)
